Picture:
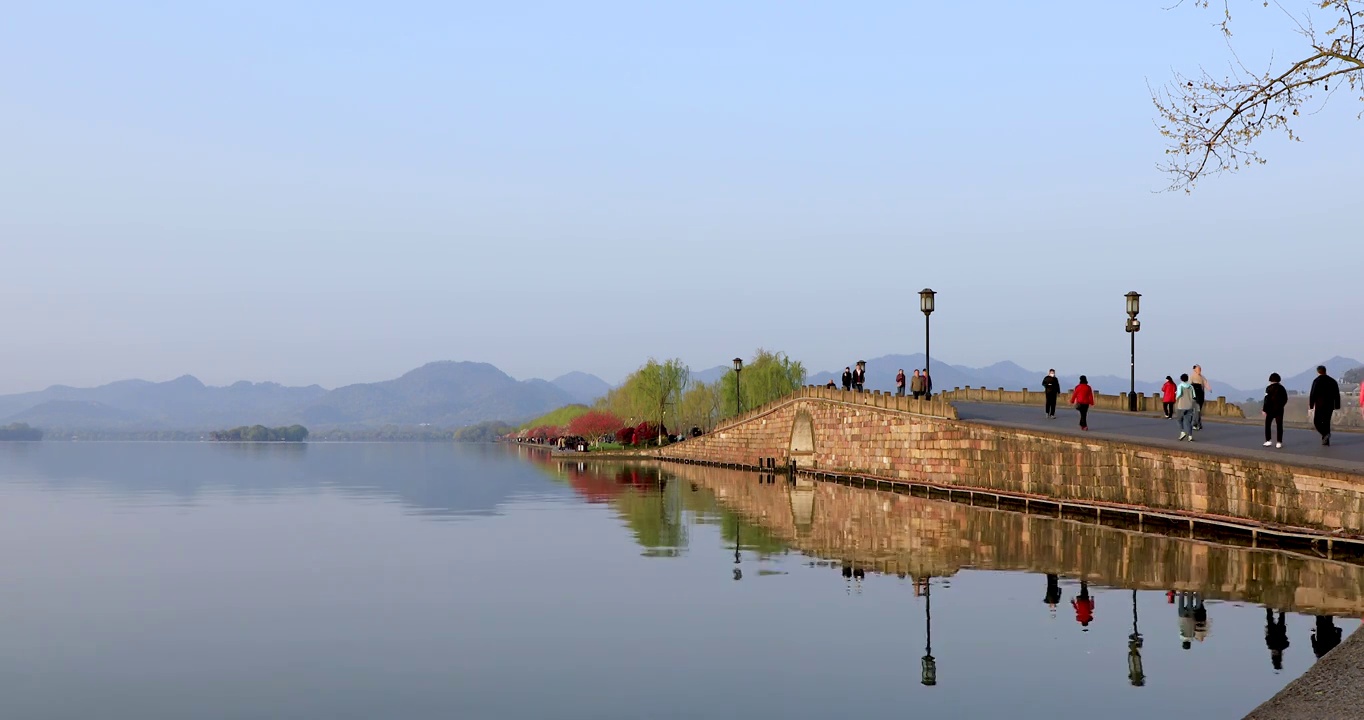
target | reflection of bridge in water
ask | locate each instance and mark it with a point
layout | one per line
(896, 533)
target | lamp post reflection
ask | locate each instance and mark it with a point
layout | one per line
(929, 674)
(738, 574)
(1135, 674)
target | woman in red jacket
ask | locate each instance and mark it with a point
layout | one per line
(1082, 397)
(1167, 396)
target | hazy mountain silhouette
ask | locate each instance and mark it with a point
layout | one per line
(710, 375)
(582, 387)
(1335, 367)
(443, 394)
(1008, 375)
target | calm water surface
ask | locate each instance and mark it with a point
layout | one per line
(148, 580)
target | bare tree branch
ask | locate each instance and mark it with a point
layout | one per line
(1212, 123)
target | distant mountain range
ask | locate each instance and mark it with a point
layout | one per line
(453, 394)
(441, 394)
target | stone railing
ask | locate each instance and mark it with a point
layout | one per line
(937, 407)
(1145, 403)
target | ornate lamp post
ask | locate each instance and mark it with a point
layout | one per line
(1133, 327)
(929, 674)
(738, 574)
(738, 367)
(926, 305)
(1135, 674)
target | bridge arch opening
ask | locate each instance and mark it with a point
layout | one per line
(803, 440)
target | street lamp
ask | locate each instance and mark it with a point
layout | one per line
(738, 367)
(929, 672)
(926, 305)
(738, 574)
(1133, 327)
(1135, 673)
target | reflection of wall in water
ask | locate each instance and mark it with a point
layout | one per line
(899, 533)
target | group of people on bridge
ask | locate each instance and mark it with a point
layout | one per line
(1183, 400)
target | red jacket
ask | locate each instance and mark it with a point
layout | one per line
(1167, 392)
(1082, 395)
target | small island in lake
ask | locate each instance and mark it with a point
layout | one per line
(260, 433)
(20, 431)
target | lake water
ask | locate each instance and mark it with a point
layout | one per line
(190, 580)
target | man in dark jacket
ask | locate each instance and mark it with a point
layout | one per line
(847, 378)
(1051, 385)
(1324, 400)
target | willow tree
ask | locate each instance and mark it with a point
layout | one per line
(649, 391)
(701, 405)
(765, 378)
(1212, 122)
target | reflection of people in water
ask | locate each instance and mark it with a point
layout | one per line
(1084, 606)
(1053, 595)
(1325, 636)
(1276, 638)
(1193, 619)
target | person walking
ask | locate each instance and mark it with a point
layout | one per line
(1201, 388)
(860, 376)
(1082, 397)
(1053, 595)
(1185, 406)
(900, 383)
(1084, 607)
(1167, 397)
(1276, 399)
(1323, 400)
(847, 379)
(1325, 635)
(928, 384)
(1276, 638)
(916, 385)
(1051, 387)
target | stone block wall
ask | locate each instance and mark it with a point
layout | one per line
(873, 437)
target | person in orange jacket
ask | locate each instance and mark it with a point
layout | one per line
(1082, 397)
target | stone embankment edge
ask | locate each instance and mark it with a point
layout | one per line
(1332, 688)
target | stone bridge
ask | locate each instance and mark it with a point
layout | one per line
(903, 440)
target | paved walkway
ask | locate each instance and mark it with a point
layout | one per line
(1238, 439)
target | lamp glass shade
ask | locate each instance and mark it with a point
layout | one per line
(1133, 303)
(926, 300)
(738, 364)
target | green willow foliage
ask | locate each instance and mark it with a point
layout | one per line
(768, 376)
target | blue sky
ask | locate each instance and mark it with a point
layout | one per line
(339, 192)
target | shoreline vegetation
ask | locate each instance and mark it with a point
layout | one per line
(20, 431)
(660, 403)
(260, 433)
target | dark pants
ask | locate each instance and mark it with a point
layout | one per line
(918, 394)
(1084, 415)
(1051, 403)
(1169, 409)
(846, 387)
(1270, 419)
(1198, 398)
(1321, 419)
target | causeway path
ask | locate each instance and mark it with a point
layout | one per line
(1235, 438)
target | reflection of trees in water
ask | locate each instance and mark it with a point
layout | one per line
(658, 507)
